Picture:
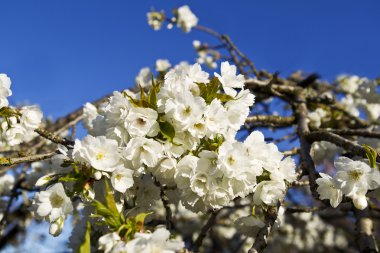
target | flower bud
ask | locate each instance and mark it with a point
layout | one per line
(56, 227)
(98, 175)
(360, 202)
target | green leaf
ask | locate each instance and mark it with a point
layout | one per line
(213, 87)
(70, 178)
(167, 130)
(224, 97)
(110, 201)
(152, 95)
(133, 101)
(253, 211)
(210, 91)
(111, 219)
(142, 93)
(371, 154)
(140, 218)
(85, 247)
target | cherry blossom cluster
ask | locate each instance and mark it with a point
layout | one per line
(17, 125)
(353, 179)
(177, 131)
(158, 241)
(206, 55)
(359, 95)
(183, 17)
(306, 232)
(186, 139)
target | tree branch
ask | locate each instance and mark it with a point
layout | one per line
(210, 222)
(261, 239)
(365, 237)
(348, 145)
(271, 119)
(27, 159)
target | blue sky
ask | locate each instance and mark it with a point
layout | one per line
(61, 54)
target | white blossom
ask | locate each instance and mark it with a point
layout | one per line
(356, 178)
(184, 111)
(144, 78)
(5, 90)
(141, 122)
(315, 118)
(100, 152)
(158, 241)
(162, 65)
(349, 84)
(186, 19)
(141, 150)
(89, 115)
(122, 178)
(155, 19)
(269, 192)
(229, 79)
(52, 203)
(108, 241)
(328, 188)
(6, 184)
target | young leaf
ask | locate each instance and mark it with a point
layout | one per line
(371, 154)
(85, 247)
(167, 130)
(140, 218)
(110, 201)
(111, 219)
(152, 97)
(224, 97)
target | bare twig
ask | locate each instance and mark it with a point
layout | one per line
(303, 130)
(271, 119)
(365, 237)
(348, 145)
(27, 159)
(54, 138)
(355, 132)
(210, 222)
(262, 236)
(166, 203)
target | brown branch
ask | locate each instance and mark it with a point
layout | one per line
(166, 204)
(300, 183)
(263, 86)
(271, 119)
(364, 228)
(301, 209)
(54, 138)
(27, 159)
(210, 222)
(293, 151)
(303, 130)
(355, 132)
(261, 239)
(348, 145)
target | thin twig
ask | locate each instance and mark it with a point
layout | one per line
(27, 159)
(210, 222)
(348, 145)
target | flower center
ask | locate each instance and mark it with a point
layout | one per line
(355, 174)
(141, 121)
(199, 126)
(56, 200)
(99, 156)
(231, 160)
(187, 110)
